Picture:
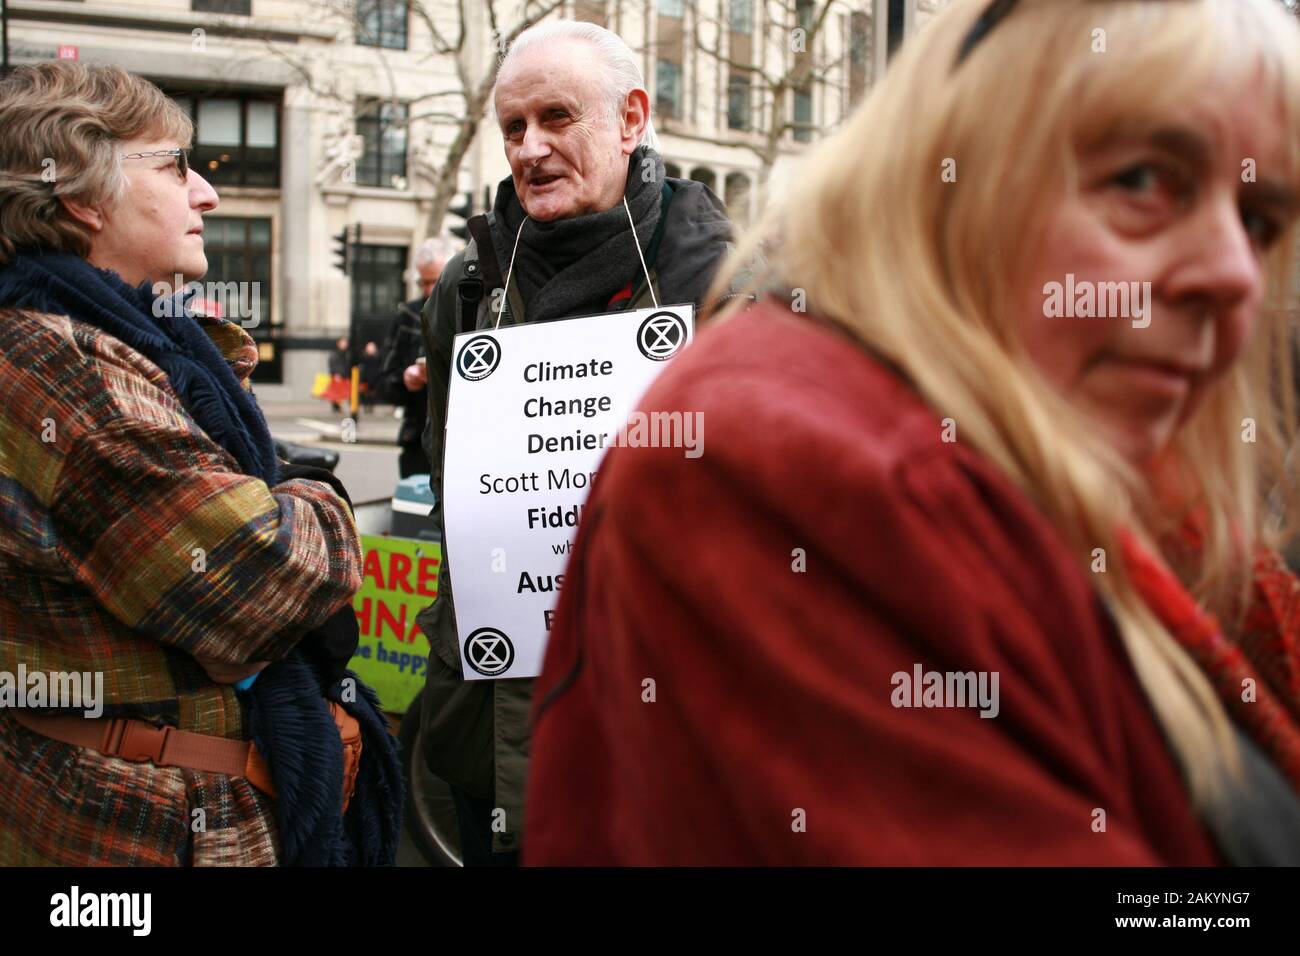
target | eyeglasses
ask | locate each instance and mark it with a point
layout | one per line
(993, 14)
(181, 156)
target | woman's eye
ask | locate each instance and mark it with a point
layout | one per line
(1139, 178)
(1262, 229)
(1144, 196)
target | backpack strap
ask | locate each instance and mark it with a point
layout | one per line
(481, 231)
(469, 291)
(487, 253)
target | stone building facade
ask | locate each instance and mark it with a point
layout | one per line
(313, 116)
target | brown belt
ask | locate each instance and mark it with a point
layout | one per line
(139, 741)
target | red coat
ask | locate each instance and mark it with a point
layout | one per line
(772, 736)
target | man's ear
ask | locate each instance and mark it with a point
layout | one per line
(634, 119)
(86, 215)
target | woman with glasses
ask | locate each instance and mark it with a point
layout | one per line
(978, 565)
(154, 552)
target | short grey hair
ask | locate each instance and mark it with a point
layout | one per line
(619, 67)
(433, 249)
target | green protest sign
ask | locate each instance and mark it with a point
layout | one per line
(400, 579)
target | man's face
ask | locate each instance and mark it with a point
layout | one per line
(429, 273)
(567, 156)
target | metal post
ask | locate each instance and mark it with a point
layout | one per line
(353, 344)
(880, 39)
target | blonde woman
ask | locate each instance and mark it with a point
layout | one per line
(976, 566)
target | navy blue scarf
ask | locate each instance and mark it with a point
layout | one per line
(65, 284)
(288, 712)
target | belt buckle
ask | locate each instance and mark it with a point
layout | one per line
(143, 743)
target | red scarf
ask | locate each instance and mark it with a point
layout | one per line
(1267, 651)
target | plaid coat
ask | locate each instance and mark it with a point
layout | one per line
(130, 544)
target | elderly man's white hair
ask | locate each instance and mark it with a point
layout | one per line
(433, 249)
(618, 63)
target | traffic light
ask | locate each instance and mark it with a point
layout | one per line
(464, 210)
(343, 243)
(341, 251)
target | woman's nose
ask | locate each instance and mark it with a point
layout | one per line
(202, 195)
(1225, 267)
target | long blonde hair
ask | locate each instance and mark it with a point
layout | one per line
(922, 270)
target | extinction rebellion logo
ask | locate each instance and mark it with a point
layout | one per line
(661, 336)
(489, 652)
(479, 358)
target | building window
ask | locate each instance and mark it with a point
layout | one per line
(706, 176)
(736, 192)
(378, 290)
(236, 138)
(239, 264)
(738, 101)
(803, 115)
(382, 126)
(669, 8)
(805, 12)
(668, 88)
(382, 23)
(240, 7)
(859, 40)
(740, 16)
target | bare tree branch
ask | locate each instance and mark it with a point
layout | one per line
(440, 44)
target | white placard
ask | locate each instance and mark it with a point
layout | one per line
(530, 412)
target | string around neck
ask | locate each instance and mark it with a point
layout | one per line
(505, 293)
(636, 242)
(510, 270)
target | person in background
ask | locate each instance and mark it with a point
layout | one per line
(575, 118)
(404, 379)
(340, 368)
(968, 575)
(371, 363)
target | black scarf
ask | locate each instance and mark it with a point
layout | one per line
(572, 267)
(288, 713)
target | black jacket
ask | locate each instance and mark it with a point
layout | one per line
(405, 344)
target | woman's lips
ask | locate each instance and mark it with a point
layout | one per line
(1149, 375)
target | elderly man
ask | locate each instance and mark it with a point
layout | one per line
(574, 114)
(403, 380)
